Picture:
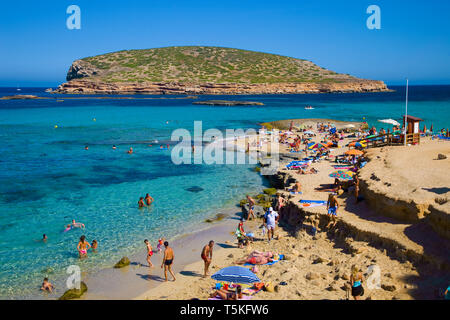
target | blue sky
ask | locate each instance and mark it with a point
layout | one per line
(36, 48)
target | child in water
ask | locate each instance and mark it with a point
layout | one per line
(160, 244)
(47, 286)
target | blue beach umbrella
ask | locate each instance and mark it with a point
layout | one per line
(235, 274)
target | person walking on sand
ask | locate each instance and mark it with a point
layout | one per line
(149, 253)
(148, 199)
(332, 206)
(251, 206)
(168, 260)
(83, 247)
(270, 221)
(356, 280)
(207, 256)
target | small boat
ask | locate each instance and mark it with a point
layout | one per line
(309, 108)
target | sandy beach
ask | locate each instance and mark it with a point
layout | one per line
(411, 257)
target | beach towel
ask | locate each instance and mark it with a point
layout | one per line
(268, 263)
(251, 291)
(313, 203)
(343, 167)
(244, 297)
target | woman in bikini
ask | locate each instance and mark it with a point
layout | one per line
(83, 247)
(356, 280)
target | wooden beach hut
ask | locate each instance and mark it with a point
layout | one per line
(412, 129)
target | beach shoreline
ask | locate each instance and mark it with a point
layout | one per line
(337, 253)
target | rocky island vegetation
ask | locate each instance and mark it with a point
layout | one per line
(205, 70)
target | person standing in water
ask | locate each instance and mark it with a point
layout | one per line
(94, 245)
(47, 286)
(148, 199)
(168, 260)
(207, 256)
(149, 252)
(141, 203)
(83, 247)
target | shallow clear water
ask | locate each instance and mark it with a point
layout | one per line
(47, 178)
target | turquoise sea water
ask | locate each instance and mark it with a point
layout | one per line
(47, 178)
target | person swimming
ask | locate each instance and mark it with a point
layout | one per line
(76, 224)
(114, 147)
(130, 151)
(86, 148)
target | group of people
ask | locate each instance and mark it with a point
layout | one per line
(145, 202)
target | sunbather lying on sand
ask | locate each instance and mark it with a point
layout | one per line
(257, 257)
(226, 295)
(310, 171)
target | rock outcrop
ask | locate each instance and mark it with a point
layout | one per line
(86, 86)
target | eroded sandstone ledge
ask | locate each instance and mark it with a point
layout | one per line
(84, 86)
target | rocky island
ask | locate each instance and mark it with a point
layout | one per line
(205, 70)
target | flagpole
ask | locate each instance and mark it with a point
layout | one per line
(406, 109)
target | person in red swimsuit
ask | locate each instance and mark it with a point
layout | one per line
(149, 252)
(207, 256)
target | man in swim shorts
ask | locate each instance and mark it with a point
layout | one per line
(168, 260)
(207, 256)
(332, 206)
(149, 252)
(270, 221)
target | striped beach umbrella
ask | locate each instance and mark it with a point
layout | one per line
(235, 274)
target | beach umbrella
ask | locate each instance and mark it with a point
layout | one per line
(317, 145)
(424, 128)
(354, 152)
(390, 121)
(235, 274)
(342, 174)
(431, 128)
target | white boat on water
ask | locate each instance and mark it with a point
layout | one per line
(309, 108)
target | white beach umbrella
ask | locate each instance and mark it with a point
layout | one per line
(390, 121)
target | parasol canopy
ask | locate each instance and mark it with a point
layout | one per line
(354, 152)
(235, 274)
(390, 121)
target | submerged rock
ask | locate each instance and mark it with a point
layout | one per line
(194, 189)
(74, 293)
